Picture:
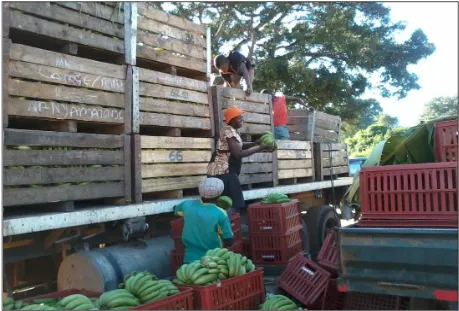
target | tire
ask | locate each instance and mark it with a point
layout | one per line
(318, 221)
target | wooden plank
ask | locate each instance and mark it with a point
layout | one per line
(46, 91)
(59, 60)
(174, 156)
(293, 164)
(334, 154)
(97, 9)
(152, 76)
(335, 162)
(57, 157)
(5, 61)
(58, 13)
(173, 107)
(130, 32)
(294, 154)
(298, 113)
(257, 118)
(250, 128)
(165, 142)
(163, 184)
(16, 137)
(18, 196)
(293, 145)
(336, 170)
(258, 158)
(66, 33)
(327, 125)
(170, 19)
(246, 106)
(257, 168)
(167, 57)
(297, 128)
(255, 178)
(127, 168)
(128, 101)
(31, 176)
(334, 147)
(295, 173)
(240, 94)
(327, 117)
(60, 110)
(176, 169)
(149, 118)
(300, 136)
(136, 164)
(162, 91)
(156, 40)
(62, 76)
(318, 132)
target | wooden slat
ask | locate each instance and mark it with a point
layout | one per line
(57, 157)
(167, 57)
(295, 173)
(240, 94)
(64, 111)
(293, 145)
(166, 142)
(174, 156)
(64, 61)
(294, 164)
(16, 137)
(250, 128)
(318, 132)
(300, 136)
(252, 168)
(152, 76)
(334, 147)
(169, 19)
(294, 154)
(55, 12)
(258, 158)
(335, 162)
(334, 154)
(65, 33)
(176, 169)
(35, 176)
(149, 118)
(63, 93)
(161, 91)
(336, 170)
(327, 117)
(326, 124)
(164, 184)
(62, 76)
(18, 196)
(97, 9)
(173, 107)
(257, 118)
(255, 178)
(246, 106)
(298, 113)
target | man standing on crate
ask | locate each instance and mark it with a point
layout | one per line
(206, 226)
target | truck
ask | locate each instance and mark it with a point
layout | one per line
(106, 128)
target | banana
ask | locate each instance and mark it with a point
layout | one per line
(77, 302)
(205, 279)
(214, 271)
(8, 301)
(222, 276)
(123, 302)
(142, 280)
(85, 306)
(72, 298)
(199, 273)
(145, 286)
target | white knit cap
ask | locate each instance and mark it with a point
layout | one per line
(211, 188)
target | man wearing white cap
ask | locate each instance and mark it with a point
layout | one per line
(207, 226)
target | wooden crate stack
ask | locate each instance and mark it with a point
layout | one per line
(294, 162)
(66, 113)
(257, 169)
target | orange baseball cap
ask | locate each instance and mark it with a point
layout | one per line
(231, 113)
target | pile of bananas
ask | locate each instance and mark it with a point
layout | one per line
(279, 302)
(275, 198)
(73, 302)
(217, 265)
(268, 140)
(10, 304)
(147, 288)
(118, 299)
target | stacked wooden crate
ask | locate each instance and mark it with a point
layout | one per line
(294, 161)
(66, 114)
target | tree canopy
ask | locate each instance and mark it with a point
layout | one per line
(439, 107)
(321, 52)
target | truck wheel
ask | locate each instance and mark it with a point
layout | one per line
(319, 220)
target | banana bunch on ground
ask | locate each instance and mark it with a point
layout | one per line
(275, 198)
(279, 302)
(217, 265)
(9, 304)
(146, 287)
(268, 140)
(73, 302)
(41, 307)
(224, 202)
(118, 299)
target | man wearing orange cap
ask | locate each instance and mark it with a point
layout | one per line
(226, 161)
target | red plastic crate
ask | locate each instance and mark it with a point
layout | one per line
(65, 293)
(365, 301)
(328, 255)
(446, 141)
(246, 248)
(413, 191)
(244, 292)
(180, 301)
(276, 250)
(332, 298)
(304, 280)
(273, 218)
(407, 223)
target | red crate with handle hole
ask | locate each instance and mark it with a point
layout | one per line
(328, 255)
(446, 141)
(304, 280)
(412, 191)
(406, 223)
(267, 219)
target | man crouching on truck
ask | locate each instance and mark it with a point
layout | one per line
(206, 226)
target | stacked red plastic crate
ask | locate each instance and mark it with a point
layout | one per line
(275, 232)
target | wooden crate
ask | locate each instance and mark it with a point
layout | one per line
(98, 26)
(258, 169)
(294, 161)
(80, 167)
(316, 126)
(171, 40)
(165, 166)
(50, 86)
(169, 101)
(331, 160)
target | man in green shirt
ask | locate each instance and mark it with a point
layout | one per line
(206, 226)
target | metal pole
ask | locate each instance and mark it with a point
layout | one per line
(209, 53)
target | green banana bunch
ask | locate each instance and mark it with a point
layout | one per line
(118, 299)
(75, 302)
(275, 198)
(8, 303)
(279, 302)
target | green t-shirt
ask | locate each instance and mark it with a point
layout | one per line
(205, 227)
